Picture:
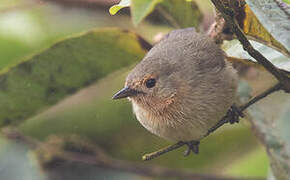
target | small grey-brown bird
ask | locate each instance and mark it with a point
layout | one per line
(182, 88)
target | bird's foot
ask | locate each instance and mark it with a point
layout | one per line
(234, 114)
(192, 146)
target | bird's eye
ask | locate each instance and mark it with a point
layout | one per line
(150, 83)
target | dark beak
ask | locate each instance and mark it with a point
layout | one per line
(125, 92)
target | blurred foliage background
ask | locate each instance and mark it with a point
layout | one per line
(70, 81)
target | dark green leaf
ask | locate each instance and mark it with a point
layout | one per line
(180, 13)
(41, 81)
(142, 8)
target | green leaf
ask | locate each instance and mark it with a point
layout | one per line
(274, 131)
(270, 122)
(122, 4)
(142, 8)
(284, 123)
(274, 19)
(235, 49)
(41, 81)
(270, 117)
(93, 105)
(180, 13)
(256, 31)
(11, 50)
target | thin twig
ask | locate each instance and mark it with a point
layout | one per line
(153, 155)
(223, 121)
(275, 88)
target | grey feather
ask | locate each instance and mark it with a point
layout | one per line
(194, 86)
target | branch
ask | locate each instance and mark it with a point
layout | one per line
(224, 120)
(275, 88)
(229, 16)
(167, 149)
(97, 157)
(145, 170)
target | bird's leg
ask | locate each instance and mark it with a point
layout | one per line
(232, 116)
(192, 146)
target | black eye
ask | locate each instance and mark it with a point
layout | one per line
(150, 83)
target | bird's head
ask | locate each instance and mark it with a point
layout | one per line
(152, 84)
(168, 74)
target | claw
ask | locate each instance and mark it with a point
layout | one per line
(192, 146)
(233, 116)
(234, 113)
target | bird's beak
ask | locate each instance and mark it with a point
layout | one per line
(125, 92)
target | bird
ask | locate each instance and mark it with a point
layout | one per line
(182, 87)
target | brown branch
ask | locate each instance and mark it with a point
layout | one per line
(97, 157)
(146, 170)
(153, 155)
(152, 171)
(228, 15)
(275, 88)
(224, 120)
